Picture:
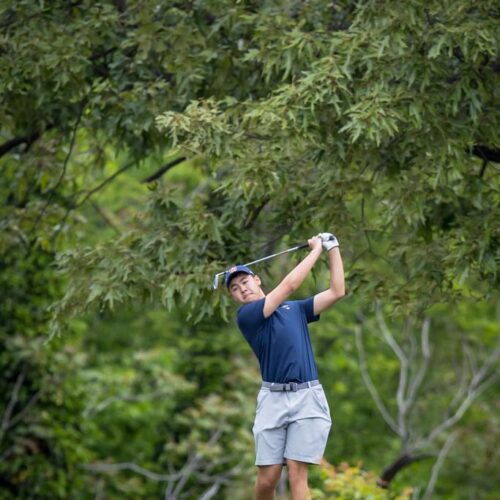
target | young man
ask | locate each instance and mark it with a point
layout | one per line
(292, 418)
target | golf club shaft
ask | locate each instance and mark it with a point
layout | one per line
(298, 247)
(215, 282)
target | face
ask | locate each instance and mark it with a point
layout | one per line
(245, 288)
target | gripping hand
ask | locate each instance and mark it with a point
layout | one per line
(329, 241)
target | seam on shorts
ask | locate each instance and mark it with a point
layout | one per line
(259, 405)
(322, 401)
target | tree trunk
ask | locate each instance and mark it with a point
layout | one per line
(400, 463)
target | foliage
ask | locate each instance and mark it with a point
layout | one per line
(347, 482)
(376, 122)
(170, 402)
(41, 392)
(379, 127)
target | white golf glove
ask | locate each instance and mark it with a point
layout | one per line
(329, 241)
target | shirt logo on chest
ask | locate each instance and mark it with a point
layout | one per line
(285, 306)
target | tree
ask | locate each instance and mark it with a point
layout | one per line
(376, 122)
(475, 373)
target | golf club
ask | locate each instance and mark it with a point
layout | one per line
(215, 282)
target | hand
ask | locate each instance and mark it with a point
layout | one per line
(315, 243)
(328, 240)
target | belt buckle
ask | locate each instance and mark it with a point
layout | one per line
(291, 386)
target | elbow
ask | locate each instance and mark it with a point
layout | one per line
(291, 284)
(339, 292)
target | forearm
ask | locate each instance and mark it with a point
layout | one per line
(337, 280)
(296, 277)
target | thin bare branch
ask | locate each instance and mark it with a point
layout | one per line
(483, 372)
(438, 464)
(33, 400)
(469, 356)
(9, 421)
(106, 467)
(6, 419)
(105, 218)
(88, 194)
(192, 463)
(472, 395)
(369, 383)
(389, 338)
(462, 386)
(403, 371)
(104, 183)
(416, 381)
(211, 491)
(63, 170)
(412, 356)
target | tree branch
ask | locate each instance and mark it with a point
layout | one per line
(163, 170)
(472, 394)
(104, 217)
(175, 480)
(369, 384)
(389, 338)
(19, 416)
(254, 213)
(16, 141)
(462, 386)
(64, 168)
(6, 419)
(88, 194)
(192, 463)
(105, 467)
(403, 371)
(400, 463)
(438, 464)
(104, 183)
(486, 153)
(416, 382)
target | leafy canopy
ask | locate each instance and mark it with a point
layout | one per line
(372, 121)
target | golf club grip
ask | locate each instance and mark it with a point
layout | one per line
(304, 245)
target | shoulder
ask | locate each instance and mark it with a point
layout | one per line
(251, 307)
(250, 317)
(251, 310)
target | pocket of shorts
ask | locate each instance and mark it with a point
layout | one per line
(319, 396)
(261, 397)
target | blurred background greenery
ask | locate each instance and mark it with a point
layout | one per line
(123, 374)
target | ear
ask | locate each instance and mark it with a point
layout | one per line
(257, 280)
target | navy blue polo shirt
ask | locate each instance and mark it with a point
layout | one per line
(281, 342)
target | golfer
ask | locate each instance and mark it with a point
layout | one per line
(292, 418)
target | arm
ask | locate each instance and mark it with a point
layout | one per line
(324, 300)
(294, 279)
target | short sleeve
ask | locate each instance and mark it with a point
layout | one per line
(307, 306)
(250, 317)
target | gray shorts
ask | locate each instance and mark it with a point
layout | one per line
(292, 425)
